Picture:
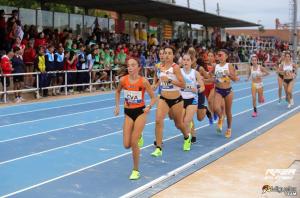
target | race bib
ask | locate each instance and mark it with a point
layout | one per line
(222, 76)
(256, 75)
(133, 97)
(166, 85)
(188, 87)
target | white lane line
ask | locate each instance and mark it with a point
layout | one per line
(81, 112)
(58, 107)
(94, 101)
(97, 94)
(109, 134)
(66, 146)
(62, 128)
(199, 159)
(127, 153)
(60, 116)
(85, 123)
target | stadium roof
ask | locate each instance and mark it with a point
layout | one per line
(156, 9)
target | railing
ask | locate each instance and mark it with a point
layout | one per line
(90, 84)
(242, 69)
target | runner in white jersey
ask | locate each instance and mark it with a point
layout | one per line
(289, 70)
(256, 72)
(171, 81)
(193, 85)
(224, 73)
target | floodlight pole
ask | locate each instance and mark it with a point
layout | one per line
(206, 29)
(191, 33)
(295, 30)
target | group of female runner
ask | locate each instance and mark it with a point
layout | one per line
(182, 90)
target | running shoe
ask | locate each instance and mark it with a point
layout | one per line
(134, 175)
(292, 102)
(228, 133)
(187, 144)
(279, 102)
(157, 152)
(141, 142)
(254, 114)
(289, 106)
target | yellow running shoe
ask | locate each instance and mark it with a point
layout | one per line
(134, 175)
(187, 144)
(228, 133)
(157, 152)
(141, 142)
(220, 125)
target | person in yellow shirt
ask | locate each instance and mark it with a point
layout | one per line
(40, 66)
(143, 35)
(153, 41)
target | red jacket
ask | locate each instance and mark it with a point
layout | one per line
(40, 42)
(29, 55)
(6, 65)
(70, 67)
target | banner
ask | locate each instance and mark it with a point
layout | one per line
(153, 28)
(168, 31)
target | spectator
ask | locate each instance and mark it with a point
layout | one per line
(59, 66)
(2, 29)
(11, 36)
(121, 57)
(18, 43)
(26, 39)
(12, 20)
(6, 67)
(74, 48)
(50, 67)
(18, 68)
(153, 41)
(40, 41)
(29, 56)
(69, 41)
(70, 65)
(107, 58)
(19, 31)
(126, 50)
(143, 35)
(40, 66)
(136, 33)
(82, 77)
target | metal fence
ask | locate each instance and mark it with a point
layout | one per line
(242, 69)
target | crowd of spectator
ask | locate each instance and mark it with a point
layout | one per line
(99, 58)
